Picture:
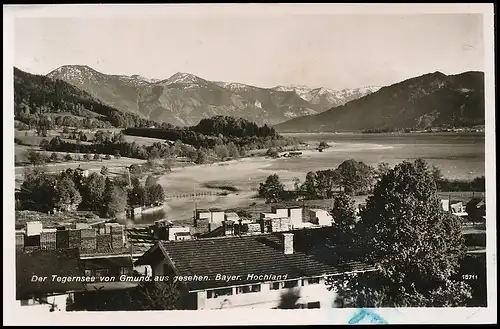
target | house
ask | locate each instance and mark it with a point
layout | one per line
(206, 220)
(320, 217)
(476, 208)
(107, 265)
(178, 233)
(55, 279)
(458, 209)
(255, 271)
(35, 271)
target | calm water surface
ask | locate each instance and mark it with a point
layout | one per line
(458, 155)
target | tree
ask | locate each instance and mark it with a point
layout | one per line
(221, 151)
(289, 299)
(168, 164)
(147, 296)
(114, 199)
(416, 245)
(44, 144)
(436, 173)
(272, 152)
(154, 194)
(233, 150)
(54, 157)
(104, 171)
(137, 195)
(150, 181)
(356, 177)
(201, 157)
(68, 157)
(37, 190)
(157, 296)
(93, 191)
(309, 186)
(66, 195)
(36, 158)
(382, 169)
(323, 145)
(344, 212)
(272, 189)
(135, 170)
(296, 184)
(326, 182)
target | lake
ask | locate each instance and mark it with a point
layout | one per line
(459, 156)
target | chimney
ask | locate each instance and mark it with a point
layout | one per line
(287, 243)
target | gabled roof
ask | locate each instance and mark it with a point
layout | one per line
(476, 202)
(45, 263)
(316, 254)
(107, 262)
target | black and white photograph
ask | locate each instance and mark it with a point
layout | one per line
(328, 162)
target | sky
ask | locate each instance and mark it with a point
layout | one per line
(333, 51)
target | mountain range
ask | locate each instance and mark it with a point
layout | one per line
(430, 100)
(184, 99)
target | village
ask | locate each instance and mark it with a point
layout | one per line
(285, 246)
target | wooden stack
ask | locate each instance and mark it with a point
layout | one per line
(74, 238)
(88, 236)
(48, 239)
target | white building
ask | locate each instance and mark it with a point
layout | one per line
(252, 271)
(320, 217)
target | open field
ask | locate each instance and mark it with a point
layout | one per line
(143, 140)
(115, 166)
(55, 219)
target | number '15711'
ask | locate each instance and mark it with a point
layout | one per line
(469, 277)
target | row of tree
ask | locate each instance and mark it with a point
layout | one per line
(353, 178)
(232, 127)
(106, 142)
(39, 158)
(71, 190)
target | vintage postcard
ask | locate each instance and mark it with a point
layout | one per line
(251, 163)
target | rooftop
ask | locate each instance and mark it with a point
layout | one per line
(45, 263)
(316, 253)
(104, 262)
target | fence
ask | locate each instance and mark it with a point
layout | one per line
(193, 195)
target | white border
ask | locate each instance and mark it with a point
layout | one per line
(15, 315)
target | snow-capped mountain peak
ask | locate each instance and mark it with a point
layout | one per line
(76, 73)
(183, 78)
(235, 86)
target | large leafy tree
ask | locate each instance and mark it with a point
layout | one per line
(344, 212)
(272, 189)
(154, 194)
(356, 177)
(66, 196)
(309, 186)
(93, 191)
(37, 190)
(415, 245)
(114, 199)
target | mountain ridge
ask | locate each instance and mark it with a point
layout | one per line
(185, 99)
(430, 100)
